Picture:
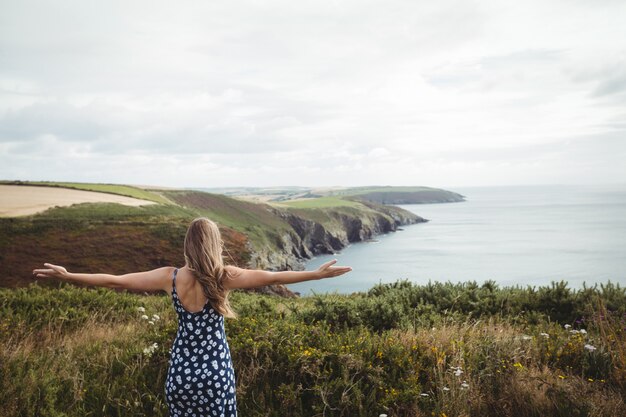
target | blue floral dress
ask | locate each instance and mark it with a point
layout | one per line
(200, 378)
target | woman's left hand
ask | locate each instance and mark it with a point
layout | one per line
(51, 271)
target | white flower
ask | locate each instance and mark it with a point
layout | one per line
(423, 394)
(458, 371)
(446, 389)
(151, 322)
(583, 331)
(144, 317)
(546, 335)
(383, 415)
(464, 385)
(590, 348)
(526, 337)
(141, 309)
(574, 331)
(567, 326)
(150, 349)
(155, 317)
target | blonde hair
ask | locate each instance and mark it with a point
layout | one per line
(203, 255)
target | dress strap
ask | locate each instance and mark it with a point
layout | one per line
(174, 280)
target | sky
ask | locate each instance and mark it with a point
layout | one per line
(313, 93)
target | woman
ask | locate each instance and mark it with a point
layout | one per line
(200, 380)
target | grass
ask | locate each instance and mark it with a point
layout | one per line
(398, 349)
(372, 189)
(320, 202)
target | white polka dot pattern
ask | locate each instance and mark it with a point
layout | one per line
(200, 378)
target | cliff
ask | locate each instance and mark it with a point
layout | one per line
(117, 239)
(325, 231)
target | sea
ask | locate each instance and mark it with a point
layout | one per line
(513, 235)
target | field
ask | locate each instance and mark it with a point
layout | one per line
(116, 189)
(20, 200)
(399, 349)
(319, 202)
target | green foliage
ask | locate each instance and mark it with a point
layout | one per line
(75, 351)
(320, 202)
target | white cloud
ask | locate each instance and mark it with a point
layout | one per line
(313, 93)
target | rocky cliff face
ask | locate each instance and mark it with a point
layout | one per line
(308, 238)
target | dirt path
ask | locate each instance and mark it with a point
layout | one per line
(22, 200)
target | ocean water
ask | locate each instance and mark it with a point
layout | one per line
(514, 235)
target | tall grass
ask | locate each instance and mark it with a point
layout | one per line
(398, 349)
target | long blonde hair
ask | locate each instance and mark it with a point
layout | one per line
(203, 255)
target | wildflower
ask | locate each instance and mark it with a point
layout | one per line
(583, 331)
(458, 371)
(567, 326)
(423, 394)
(546, 335)
(561, 377)
(141, 309)
(589, 347)
(151, 322)
(464, 385)
(383, 415)
(155, 317)
(150, 349)
(526, 337)
(144, 317)
(518, 365)
(590, 379)
(446, 389)
(574, 331)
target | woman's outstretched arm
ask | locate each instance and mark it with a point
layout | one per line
(251, 278)
(155, 280)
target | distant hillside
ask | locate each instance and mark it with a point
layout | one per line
(117, 239)
(402, 195)
(376, 194)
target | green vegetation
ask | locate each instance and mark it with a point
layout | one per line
(125, 190)
(320, 202)
(262, 226)
(400, 349)
(372, 189)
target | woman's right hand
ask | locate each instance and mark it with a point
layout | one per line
(328, 271)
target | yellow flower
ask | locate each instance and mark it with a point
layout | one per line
(561, 377)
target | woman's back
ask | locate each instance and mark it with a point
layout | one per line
(189, 291)
(200, 378)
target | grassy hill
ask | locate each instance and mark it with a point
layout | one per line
(125, 190)
(399, 349)
(376, 194)
(401, 195)
(114, 238)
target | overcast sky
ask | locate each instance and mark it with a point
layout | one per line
(313, 93)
